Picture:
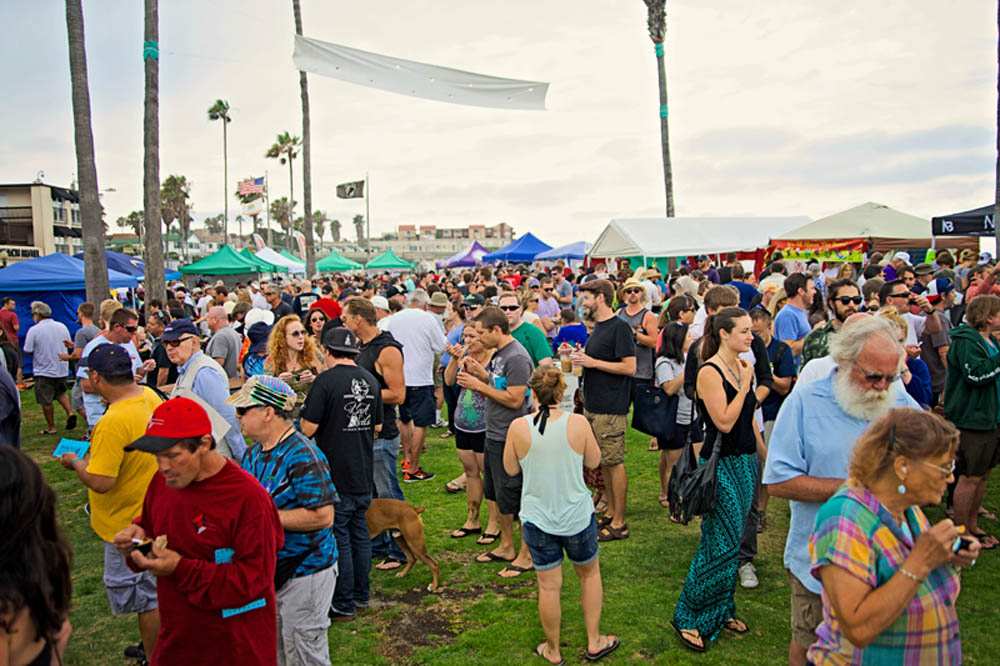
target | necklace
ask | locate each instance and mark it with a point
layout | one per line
(734, 376)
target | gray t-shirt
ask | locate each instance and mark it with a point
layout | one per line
(510, 366)
(45, 341)
(84, 335)
(226, 344)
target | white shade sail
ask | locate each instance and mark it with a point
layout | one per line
(416, 79)
(272, 257)
(685, 236)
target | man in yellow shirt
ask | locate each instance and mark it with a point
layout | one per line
(116, 482)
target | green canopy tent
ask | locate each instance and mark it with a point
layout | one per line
(388, 261)
(335, 262)
(226, 261)
(263, 266)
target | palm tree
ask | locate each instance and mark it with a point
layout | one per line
(656, 22)
(359, 230)
(306, 155)
(319, 224)
(152, 253)
(174, 204)
(286, 149)
(133, 221)
(335, 230)
(996, 201)
(215, 224)
(95, 269)
(281, 212)
(220, 111)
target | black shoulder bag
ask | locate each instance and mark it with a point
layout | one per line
(691, 491)
(654, 412)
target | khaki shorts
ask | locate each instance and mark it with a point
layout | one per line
(609, 429)
(807, 612)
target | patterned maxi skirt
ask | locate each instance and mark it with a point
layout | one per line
(706, 601)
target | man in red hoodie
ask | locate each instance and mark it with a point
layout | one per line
(216, 537)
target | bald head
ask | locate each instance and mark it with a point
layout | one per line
(216, 318)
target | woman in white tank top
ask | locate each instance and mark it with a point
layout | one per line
(550, 448)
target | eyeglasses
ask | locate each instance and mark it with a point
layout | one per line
(297, 333)
(947, 471)
(241, 411)
(845, 300)
(634, 290)
(177, 343)
(510, 308)
(876, 377)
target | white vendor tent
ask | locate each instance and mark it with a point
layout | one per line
(685, 236)
(272, 257)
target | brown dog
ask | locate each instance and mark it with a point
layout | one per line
(392, 514)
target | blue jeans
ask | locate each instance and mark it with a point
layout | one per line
(386, 485)
(355, 553)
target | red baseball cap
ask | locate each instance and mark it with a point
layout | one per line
(175, 420)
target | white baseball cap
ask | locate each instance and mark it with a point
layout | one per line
(380, 303)
(257, 315)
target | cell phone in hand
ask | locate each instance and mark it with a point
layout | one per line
(144, 546)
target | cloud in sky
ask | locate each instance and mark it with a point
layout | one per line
(776, 109)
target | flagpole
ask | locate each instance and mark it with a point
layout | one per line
(368, 218)
(267, 209)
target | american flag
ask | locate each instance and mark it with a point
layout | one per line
(251, 186)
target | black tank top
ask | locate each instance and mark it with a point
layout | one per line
(740, 440)
(366, 359)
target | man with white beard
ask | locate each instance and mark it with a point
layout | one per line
(811, 447)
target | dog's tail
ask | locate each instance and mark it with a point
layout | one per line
(418, 509)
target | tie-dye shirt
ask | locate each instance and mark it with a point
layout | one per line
(856, 533)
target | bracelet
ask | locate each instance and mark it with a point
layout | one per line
(910, 575)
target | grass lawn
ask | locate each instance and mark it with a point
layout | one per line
(482, 619)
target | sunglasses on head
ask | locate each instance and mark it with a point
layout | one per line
(844, 300)
(177, 342)
(510, 308)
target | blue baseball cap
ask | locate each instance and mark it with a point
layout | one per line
(177, 329)
(110, 360)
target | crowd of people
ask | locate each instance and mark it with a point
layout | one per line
(239, 433)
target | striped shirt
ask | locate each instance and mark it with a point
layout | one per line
(856, 533)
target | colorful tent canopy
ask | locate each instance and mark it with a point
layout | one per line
(522, 250)
(278, 259)
(264, 265)
(975, 222)
(577, 251)
(335, 262)
(129, 265)
(685, 236)
(388, 261)
(54, 272)
(226, 261)
(470, 256)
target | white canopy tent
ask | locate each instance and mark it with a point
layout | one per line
(272, 257)
(869, 220)
(684, 236)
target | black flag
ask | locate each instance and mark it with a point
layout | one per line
(355, 190)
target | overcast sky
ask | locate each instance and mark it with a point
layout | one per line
(778, 108)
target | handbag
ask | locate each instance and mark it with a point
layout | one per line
(691, 491)
(654, 412)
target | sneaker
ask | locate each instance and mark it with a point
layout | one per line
(748, 576)
(418, 475)
(135, 652)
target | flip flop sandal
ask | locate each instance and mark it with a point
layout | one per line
(653, 446)
(986, 541)
(603, 520)
(488, 538)
(451, 490)
(601, 654)
(491, 557)
(540, 651)
(388, 564)
(664, 501)
(609, 533)
(690, 644)
(48, 432)
(987, 514)
(736, 625)
(516, 569)
(463, 532)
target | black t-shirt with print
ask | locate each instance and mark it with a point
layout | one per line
(346, 403)
(603, 392)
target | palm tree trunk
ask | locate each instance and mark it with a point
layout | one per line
(291, 205)
(996, 201)
(225, 184)
(668, 173)
(92, 229)
(306, 156)
(155, 283)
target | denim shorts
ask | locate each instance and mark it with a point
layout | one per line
(547, 549)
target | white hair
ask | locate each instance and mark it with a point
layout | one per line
(846, 345)
(419, 297)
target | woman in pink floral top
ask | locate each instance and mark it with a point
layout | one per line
(890, 578)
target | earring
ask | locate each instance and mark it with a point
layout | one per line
(901, 489)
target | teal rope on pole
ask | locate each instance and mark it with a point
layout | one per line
(659, 49)
(150, 50)
(663, 111)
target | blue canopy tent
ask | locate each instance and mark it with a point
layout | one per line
(573, 251)
(523, 250)
(57, 280)
(129, 265)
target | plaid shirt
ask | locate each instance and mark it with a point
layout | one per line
(855, 532)
(817, 343)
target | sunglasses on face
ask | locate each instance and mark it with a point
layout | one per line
(548, 290)
(297, 333)
(177, 343)
(845, 300)
(876, 377)
(510, 308)
(901, 294)
(634, 290)
(131, 329)
(241, 411)
(318, 319)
